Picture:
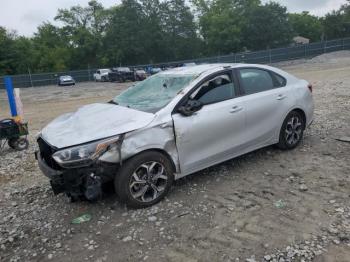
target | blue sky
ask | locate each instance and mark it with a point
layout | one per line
(25, 15)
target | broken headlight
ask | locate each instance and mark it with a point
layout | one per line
(83, 155)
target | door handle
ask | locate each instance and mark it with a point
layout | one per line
(236, 109)
(281, 97)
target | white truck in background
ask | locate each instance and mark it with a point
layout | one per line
(101, 75)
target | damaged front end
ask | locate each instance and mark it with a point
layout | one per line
(78, 171)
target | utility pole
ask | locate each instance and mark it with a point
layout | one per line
(30, 77)
(89, 73)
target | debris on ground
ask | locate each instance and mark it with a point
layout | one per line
(280, 204)
(82, 219)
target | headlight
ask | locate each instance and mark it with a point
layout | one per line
(83, 155)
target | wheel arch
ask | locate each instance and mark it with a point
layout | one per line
(159, 150)
(297, 109)
(302, 113)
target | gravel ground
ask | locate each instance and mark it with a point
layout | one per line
(268, 205)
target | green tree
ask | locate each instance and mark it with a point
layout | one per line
(221, 23)
(155, 31)
(181, 37)
(124, 42)
(306, 25)
(16, 53)
(267, 26)
(150, 31)
(51, 49)
(337, 23)
(84, 27)
(6, 52)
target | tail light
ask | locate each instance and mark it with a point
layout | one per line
(310, 87)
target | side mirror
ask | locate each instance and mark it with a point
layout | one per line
(190, 107)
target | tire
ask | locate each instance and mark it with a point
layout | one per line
(21, 144)
(292, 131)
(12, 142)
(144, 180)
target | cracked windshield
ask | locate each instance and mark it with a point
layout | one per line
(154, 93)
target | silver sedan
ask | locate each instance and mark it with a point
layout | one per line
(173, 124)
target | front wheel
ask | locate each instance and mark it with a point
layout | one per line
(144, 180)
(292, 131)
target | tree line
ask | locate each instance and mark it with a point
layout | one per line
(153, 31)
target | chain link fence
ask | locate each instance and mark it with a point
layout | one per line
(260, 57)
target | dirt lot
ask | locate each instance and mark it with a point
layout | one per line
(268, 205)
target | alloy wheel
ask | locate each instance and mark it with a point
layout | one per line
(293, 131)
(148, 182)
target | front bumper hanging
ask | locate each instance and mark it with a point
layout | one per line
(77, 182)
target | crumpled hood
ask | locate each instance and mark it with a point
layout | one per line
(93, 122)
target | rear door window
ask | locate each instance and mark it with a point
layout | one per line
(256, 80)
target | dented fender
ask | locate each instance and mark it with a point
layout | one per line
(159, 137)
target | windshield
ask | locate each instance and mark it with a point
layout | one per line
(153, 93)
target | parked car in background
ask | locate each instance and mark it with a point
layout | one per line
(66, 81)
(173, 124)
(140, 75)
(155, 70)
(121, 74)
(101, 75)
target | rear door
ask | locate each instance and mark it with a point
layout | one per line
(214, 133)
(267, 99)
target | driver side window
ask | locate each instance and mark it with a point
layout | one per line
(217, 89)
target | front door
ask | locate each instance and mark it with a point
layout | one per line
(214, 133)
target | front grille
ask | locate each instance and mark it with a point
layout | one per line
(46, 152)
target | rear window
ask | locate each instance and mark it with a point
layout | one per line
(279, 81)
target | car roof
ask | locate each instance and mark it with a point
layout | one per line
(197, 69)
(212, 68)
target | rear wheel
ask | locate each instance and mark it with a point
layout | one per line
(292, 131)
(144, 180)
